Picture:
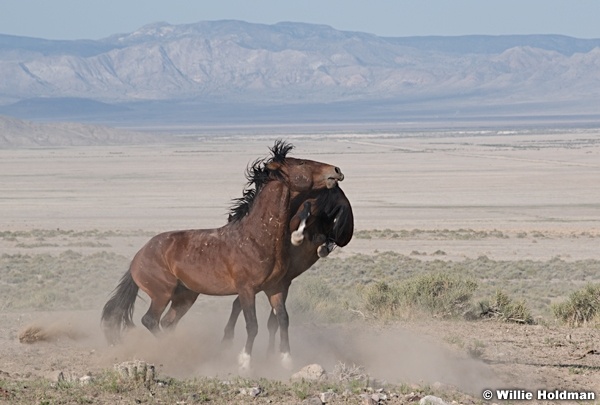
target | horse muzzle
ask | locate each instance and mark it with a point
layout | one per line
(334, 178)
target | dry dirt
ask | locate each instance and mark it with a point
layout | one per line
(512, 182)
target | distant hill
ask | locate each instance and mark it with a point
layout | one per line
(15, 133)
(67, 108)
(229, 71)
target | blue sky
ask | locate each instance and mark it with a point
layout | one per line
(93, 19)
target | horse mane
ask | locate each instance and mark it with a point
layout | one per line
(257, 175)
(280, 150)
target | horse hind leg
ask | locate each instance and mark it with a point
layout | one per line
(151, 274)
(151, 318)
(272, 326)
(181, 301)
(236, 309)
(160, 298)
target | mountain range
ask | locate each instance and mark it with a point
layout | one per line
(214, 72)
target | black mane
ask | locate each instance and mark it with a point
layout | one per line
(257, 175)
(280, 150)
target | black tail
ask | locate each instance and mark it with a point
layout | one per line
(118, 311)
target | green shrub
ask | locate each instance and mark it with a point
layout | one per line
(581, 308)
(503, 308)
(382, 299)
(439, 294)
(315, 297)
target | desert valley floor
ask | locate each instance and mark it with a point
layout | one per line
(504, 196)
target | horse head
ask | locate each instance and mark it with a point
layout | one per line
(302, 174)
(302, 177)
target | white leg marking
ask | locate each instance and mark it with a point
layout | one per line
(244, 362)
(298, 235)
(286, 361)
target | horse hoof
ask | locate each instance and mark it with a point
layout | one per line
(244, 363)
(286, 361)
(297, 238)
(322, 251)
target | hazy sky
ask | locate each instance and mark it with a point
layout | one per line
(94, 19)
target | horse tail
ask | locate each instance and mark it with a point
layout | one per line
(118, 311)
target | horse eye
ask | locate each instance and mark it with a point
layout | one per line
(302, 163)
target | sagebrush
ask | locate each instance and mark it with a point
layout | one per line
(504, 308)
(441, 295)
(581, 308)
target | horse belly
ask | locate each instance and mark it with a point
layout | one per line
(215, 264)
(209, 276)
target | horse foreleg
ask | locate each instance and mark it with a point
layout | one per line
(236, 308)
(323, 250)
(298, 234)
(277, 301)
(247, 301)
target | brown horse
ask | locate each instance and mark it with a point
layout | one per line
(324, 222)
(244, 257)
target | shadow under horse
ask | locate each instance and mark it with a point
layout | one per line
(247, 255)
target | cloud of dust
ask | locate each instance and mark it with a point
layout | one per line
(394, 355)
(55, 327)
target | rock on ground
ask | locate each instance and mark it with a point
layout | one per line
(312, 372)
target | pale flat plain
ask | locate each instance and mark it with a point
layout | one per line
(511, 182)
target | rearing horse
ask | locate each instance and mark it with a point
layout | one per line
(243, 257)
(322, 223)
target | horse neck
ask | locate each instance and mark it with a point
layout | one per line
(270, 211)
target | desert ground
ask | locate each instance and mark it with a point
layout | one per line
(519, 197)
